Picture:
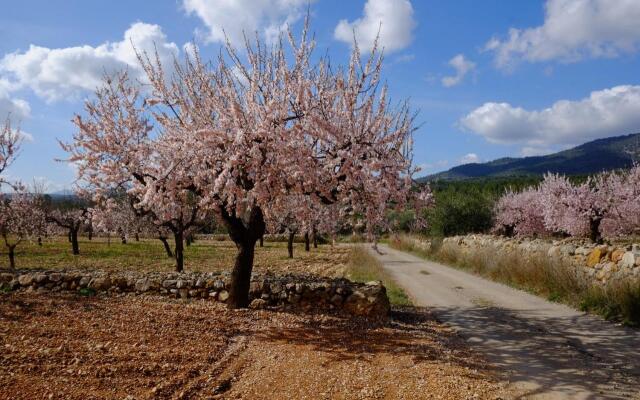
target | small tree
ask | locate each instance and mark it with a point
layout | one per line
(520, 213)
(21, 218)
(577, 210)
(10, 141)
(70, 218)
(623, 218)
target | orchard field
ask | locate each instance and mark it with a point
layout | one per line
(76, 347)
(202, 255)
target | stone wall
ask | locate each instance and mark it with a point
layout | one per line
(288, 292)
(598, 263)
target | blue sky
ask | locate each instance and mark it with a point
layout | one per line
(489, 78)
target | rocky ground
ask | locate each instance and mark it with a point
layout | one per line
(63, 346)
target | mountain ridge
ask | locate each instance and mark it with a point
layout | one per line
(588, 158)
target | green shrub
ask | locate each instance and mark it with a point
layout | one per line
(458, 212)
(86, 292)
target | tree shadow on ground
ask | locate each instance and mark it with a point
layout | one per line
(410, 331)
(553, 354)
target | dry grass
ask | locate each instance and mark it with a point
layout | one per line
(203, 255)
(540, 275)
(363, 267)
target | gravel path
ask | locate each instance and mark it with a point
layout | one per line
(550, 351)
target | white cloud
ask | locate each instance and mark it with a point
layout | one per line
(573, 30)
(392, 18)
(608, 112)
(530, 151)
(55, 74)
(233, 17)
(18, 109)
(470, 158)
(462, 67)
(405, 58)
(432, 166)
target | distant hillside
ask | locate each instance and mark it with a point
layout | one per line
(589, 158)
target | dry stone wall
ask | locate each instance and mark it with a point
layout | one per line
(600, 264)
(289, 291)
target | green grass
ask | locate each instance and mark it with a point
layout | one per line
(149, 255)
(363, 267)
(537, 274)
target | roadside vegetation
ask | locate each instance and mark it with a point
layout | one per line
(539, 275)
(363, 267)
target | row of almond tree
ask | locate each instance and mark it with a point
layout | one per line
(606, 205)
(29, 215)
(260, 137)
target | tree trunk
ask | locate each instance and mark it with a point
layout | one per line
(315, 238)
(262, 241)
(137, 236)
(245, 237)
(594, 227)
(69, 236)
(290, 244)
(306, 241)
(12, 258)
(179, 251)
(75, 248)
(188, 240)
(90, 232)
(123, 238)
(241, 275)
(509, 230)
(167, 248)
(40, 241)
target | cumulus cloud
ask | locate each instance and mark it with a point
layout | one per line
(55, 74)
(573, 30)
(462, 67)
(16, 108)
(608, 112)
(392, 18)
(233, 17)
(470, 158)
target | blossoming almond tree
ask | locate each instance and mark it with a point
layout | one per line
(624, 215)
(9, 148)
(521, 213)
(577, 210)
(118, 152)
(71, 219)
(241, 134)
(21, 218)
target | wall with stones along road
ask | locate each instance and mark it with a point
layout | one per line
(288, 291)
(600, 264)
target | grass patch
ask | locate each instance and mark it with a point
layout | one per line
(208, 255)
(87, 292)
(537, 274)
(363, 267)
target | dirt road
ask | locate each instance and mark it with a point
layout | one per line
(550, 351)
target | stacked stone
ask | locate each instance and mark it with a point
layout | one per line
(288, 291)
(601, 264)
